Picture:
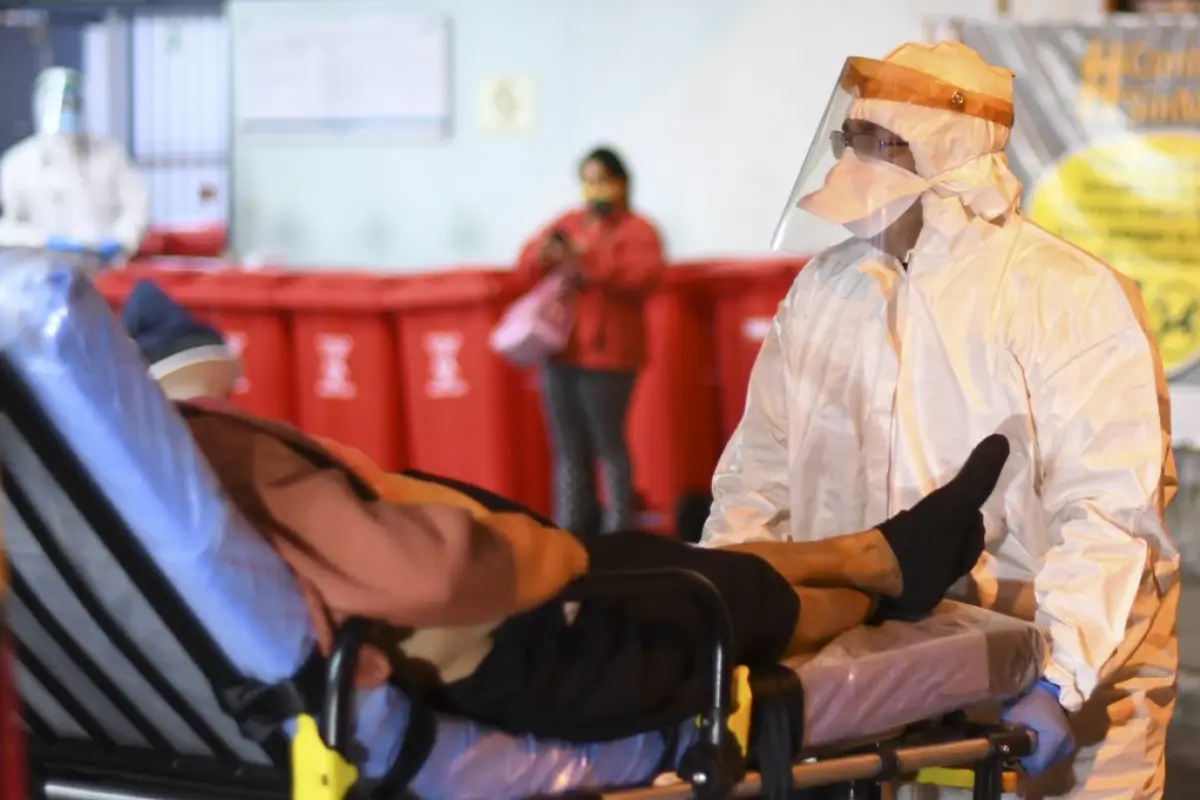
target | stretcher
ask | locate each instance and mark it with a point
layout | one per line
(157, 637)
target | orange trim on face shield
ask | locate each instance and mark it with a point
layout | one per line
(878, 80)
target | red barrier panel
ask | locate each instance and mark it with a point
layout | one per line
(469, 415)
(672, 425)
(153, 244)
(207, 241)
(244, 307)
(345, 362)
(12, 750)
(199, 241)
(745, 297)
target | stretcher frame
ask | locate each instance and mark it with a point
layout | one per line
(982, 761)
(320, 770)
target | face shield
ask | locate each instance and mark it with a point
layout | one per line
(58, 102)
(889, 136)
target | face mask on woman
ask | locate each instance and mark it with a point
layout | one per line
(602, 196)
(601, 208)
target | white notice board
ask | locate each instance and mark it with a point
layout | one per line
(364, 70)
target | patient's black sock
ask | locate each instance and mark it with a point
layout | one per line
(939, 539)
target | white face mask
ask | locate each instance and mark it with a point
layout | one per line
(865, 197)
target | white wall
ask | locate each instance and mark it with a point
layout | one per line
(713, 101)
(160, 83)
(180, 132)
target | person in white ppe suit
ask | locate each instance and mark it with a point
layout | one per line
(947, 316)
(65, 189)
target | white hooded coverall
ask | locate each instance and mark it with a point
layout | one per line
(68, 183)
(875, 381)
(86, 190)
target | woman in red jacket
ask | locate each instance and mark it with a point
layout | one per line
(615, 258)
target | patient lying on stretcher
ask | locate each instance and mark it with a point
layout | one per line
(469, 583)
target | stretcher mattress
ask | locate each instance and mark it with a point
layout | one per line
(88, 378)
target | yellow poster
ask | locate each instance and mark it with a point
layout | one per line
(1135, 202)
(1107, 142)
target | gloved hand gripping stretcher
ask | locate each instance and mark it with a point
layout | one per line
(145, 612)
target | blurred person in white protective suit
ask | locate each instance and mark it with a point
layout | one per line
(947, 316)
(65, 189)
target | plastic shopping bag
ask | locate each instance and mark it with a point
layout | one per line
(537, 325)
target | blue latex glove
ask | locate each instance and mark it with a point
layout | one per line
(109, 249)
(63, 244)
(1039, 711)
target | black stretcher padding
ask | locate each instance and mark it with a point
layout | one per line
(84, 663)
(36, 725)
(144, 770)
(112, 629)
(107, 523)
(93, 727)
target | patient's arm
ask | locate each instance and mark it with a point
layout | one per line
(421, 565)
(431, 565)
(417, 565)
(860, 561)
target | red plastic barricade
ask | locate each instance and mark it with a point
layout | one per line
(672, 425)
(745, 297)
(12, 751)
(202, 241)
(346, 364)
(153, 244)
(197, 241)
(244, 307)
(470, 415)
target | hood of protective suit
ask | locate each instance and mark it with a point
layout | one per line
(960, 154)
(953, 112)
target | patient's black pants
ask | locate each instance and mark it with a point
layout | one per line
(585, 413)
(613, 668)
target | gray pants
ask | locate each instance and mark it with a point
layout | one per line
(586, 412)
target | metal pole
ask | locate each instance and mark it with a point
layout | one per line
(835, 770)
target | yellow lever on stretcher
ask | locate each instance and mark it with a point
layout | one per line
(318, 771)
(958, 778)
(743, 700)
(741, 703)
